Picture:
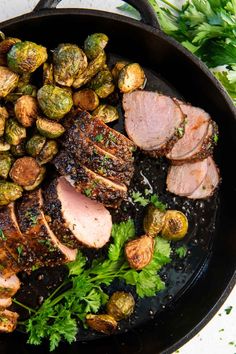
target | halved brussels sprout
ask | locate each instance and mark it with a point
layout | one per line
(94, 44)
(153, 221)
(102, 323)
(119, 65)
(4, 146)
(106, 113)
(93, 68)
(3, 117)
(131, 78)
(3, 60)
(2, 36)
(120, 305)
(6, 161)
(15, 132)
(7, 43)
(8, 81)
(9, 192)
(139, 252)
(48, 75)
(175, 225)
(48, 152)
(26, 57)
(102, 83)
(26, 110)
(69, 60)
(38, 180)
(18, 150)
(86, 99)
(25, 171)
(35, 145)
(54, 101)
(49, 128)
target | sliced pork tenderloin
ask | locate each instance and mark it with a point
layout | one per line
(9, 286)
(210, 182)
(8, 265)
(154, 122)
(47, 248)
(183, 180)
(91, 184)
(76, 218)
(5, 303)
(8, 321)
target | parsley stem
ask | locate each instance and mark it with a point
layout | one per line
(171, 5)
(24, 306)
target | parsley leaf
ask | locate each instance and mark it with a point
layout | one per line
(121, 233)
(2, 235)
(138, 198)
(228, 310)
(157, 203)
(181, 251)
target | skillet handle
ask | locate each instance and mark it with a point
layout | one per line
(146, 11)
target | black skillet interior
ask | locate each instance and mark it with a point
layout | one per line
(194, 285)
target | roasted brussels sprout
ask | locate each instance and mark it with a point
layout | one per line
(48, 152)
(102, 323)
(139, 252)
(120, 305)
(86, 99)
(26, 57)
(38, 180)
(175, 225)
(8, 81)
(94, 44)
(15, 132)
(131, 77)
(153, 221)
(106, 113)
(35, 145)
(93, 68)
(2, 36)
(6, 160)
(69, 60)
(102, 83)
(48, 75)
(49, 128)
(119, 65)
(18, 150)
(3, 117)
(3, 60)
(54, 101)
(4, 146)
(9, 192)
(7, 43)
(25, 171)
(28, 89)
(26, 110)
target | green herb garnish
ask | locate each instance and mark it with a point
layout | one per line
(228, 310)
(19, 251)
(99, 138)
(88, 192)
(157, 203)
(138, 198)
(2, 235)
(181, 251)
(216, 138)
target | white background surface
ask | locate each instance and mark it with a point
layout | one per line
(219, 335)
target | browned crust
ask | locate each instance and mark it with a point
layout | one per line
(8, 266)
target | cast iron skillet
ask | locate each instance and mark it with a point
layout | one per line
(197, 287)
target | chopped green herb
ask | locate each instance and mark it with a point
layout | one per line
(2, 235)
(228, 310)
(19, 251)
(180, 132)
(32, 217)
(99, 138)
(231, 343)
(3, 319)
(221, 330)
(138, 198)
(48, 244)
(157, 203)
(216, 138)
(112, 137)
(88, 192)
(181, 251)
(147, 191)
(34, 267)
(1, 267)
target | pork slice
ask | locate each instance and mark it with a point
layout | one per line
(8, 321)
(94, 186)
(8, 265)
(47, 248)
(13, 240)
(183, 180)
(89, 221)
(196, 128)
(97, 159)
(4, 303)
(154, 122)
(9, 286)
(210, 182)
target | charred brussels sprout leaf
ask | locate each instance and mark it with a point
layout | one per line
(48, 75)
(153, 221)
(175, 225)
(26, 57)
(69, 60)
(54, 101)
(6, 160)
(8, 81)
(15, 132)
(3, 118)
(86, 99)
(9, 192)
(102, 323)
(49, 129)
(106, 113)
(18, 150)
(7, 43)
(119, 65)
(102, 83)
(25, 171)
(94, 44)
(4, 146)
(38, 180)
(35, 145)
(26, 110)
(48, 152)
(120, 305)
(93, 68)
(131, 78)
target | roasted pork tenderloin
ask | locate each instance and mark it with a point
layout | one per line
(8, 321)
(9, 286)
